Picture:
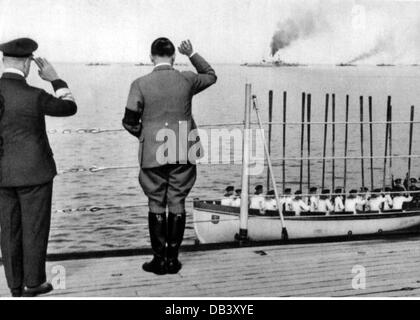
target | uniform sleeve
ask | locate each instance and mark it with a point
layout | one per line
(1, 105)
(134, 111)
(304, 206)
(135, 98)
(330, 207)
(205, 76)
(61, 105)
(408, 199)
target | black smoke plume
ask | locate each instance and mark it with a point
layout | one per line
(301, 25)
(380, 46)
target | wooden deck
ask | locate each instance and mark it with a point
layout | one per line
(310, 270)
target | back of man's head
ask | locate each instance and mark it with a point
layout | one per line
(163, 47)
(22, 64)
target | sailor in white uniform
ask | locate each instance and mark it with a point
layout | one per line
(313, 199)
(324, 204)
(229, 196)
(271, 202)
(363, 198)
(338, 200)
(298, 204)
(388, 199)
(399, 201)
(353, 202)
(287, 200)
(236, 202)
(258, 199)
(376, 201)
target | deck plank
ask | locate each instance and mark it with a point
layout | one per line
(310, 270)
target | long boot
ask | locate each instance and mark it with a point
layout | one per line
(157, 229)
(176, 228)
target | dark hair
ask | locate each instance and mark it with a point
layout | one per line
(163, 47)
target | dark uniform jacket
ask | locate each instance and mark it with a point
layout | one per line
(164, 98)
(26, 158)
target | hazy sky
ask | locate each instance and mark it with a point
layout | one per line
(223, 30)
(122, 30)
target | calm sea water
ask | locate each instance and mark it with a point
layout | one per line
(119, 220)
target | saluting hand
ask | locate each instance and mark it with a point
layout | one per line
(46, 70)
(186, 48)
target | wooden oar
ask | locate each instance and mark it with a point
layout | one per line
(309, 102)
(246, 152)
(386, 140)
(390, 138)
(273, 179)
(346, 134)
(327, 99)
(362, 162)
(371, 144)
(410, 147)
(333, 143)
(284, 138)
(302, 140)
(270, 125)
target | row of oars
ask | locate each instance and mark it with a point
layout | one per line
(306, 109)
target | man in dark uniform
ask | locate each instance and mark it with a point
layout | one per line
(27, 167)
(162, 102)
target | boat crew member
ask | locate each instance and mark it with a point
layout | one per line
(258, 199)
(399, 200)
(338, 200)
(353, 202)
(159, 114)
(228, 197)
(236, 202)
(414, 192)
(324, 204)
(298, 205)
(408, 182)
(313, 199)
(271, 202)
(287, 199)
(414, 183)
(27, 166)
(414, 189)
(388, 199)
(376, 201)
(363, 198)
(397, 185)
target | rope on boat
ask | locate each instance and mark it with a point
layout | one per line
(233, 124)
(96, 208)
(95, 169)
(136, 225)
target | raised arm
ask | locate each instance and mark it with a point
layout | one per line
(133, 111)
(61, 105)
(205, 76)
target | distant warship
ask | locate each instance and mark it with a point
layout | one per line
(275, 63)
(142, 64)
(346, 65)
(97, 64)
